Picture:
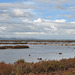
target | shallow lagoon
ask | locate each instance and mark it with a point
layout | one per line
(46, 52)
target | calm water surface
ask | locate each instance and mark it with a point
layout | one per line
(48, 52)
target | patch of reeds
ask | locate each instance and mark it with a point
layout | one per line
(13, 43)
(50, 67)
(13, 47)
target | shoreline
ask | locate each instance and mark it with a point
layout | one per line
(54, 43)
(39, 42)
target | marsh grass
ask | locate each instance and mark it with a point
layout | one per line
(14, 47)
(50, 67)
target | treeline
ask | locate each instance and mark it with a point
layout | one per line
(50, 67)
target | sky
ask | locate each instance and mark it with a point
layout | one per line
(40, 19)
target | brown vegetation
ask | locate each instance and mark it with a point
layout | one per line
(20, 67)
(13, 47)
(6, 69)
(13, 43)
(68, 41)
(40, 42)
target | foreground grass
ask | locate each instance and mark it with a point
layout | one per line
(20, 67)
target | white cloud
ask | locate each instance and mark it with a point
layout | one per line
(3, 17)
(21, 13)
(73, 22)
(36, 29)
(39, 20)
(28, 33)
(3, 28)
(27, 20)
(19, 18)
(44, 20)
(54, 28)
(62, 20)
(15, 14)
(70, 31)
(18, 12)
(15, 11)
(15, 5)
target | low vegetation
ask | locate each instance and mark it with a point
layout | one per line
(20, 67)
(13, 47)
(13, 43)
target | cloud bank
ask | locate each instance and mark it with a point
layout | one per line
(45, 19)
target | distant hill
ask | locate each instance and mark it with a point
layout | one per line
(14, 38)
(2, 38)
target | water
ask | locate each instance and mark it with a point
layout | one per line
(46, 52)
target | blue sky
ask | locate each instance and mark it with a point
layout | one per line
(7, 1)
(42, 19)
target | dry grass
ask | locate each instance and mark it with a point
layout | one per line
(20, 67)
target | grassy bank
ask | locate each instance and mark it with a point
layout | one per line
(20, 67)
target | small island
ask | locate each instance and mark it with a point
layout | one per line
(14, 47)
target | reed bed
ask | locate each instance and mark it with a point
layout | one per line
(14, 47)
(50, 67)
